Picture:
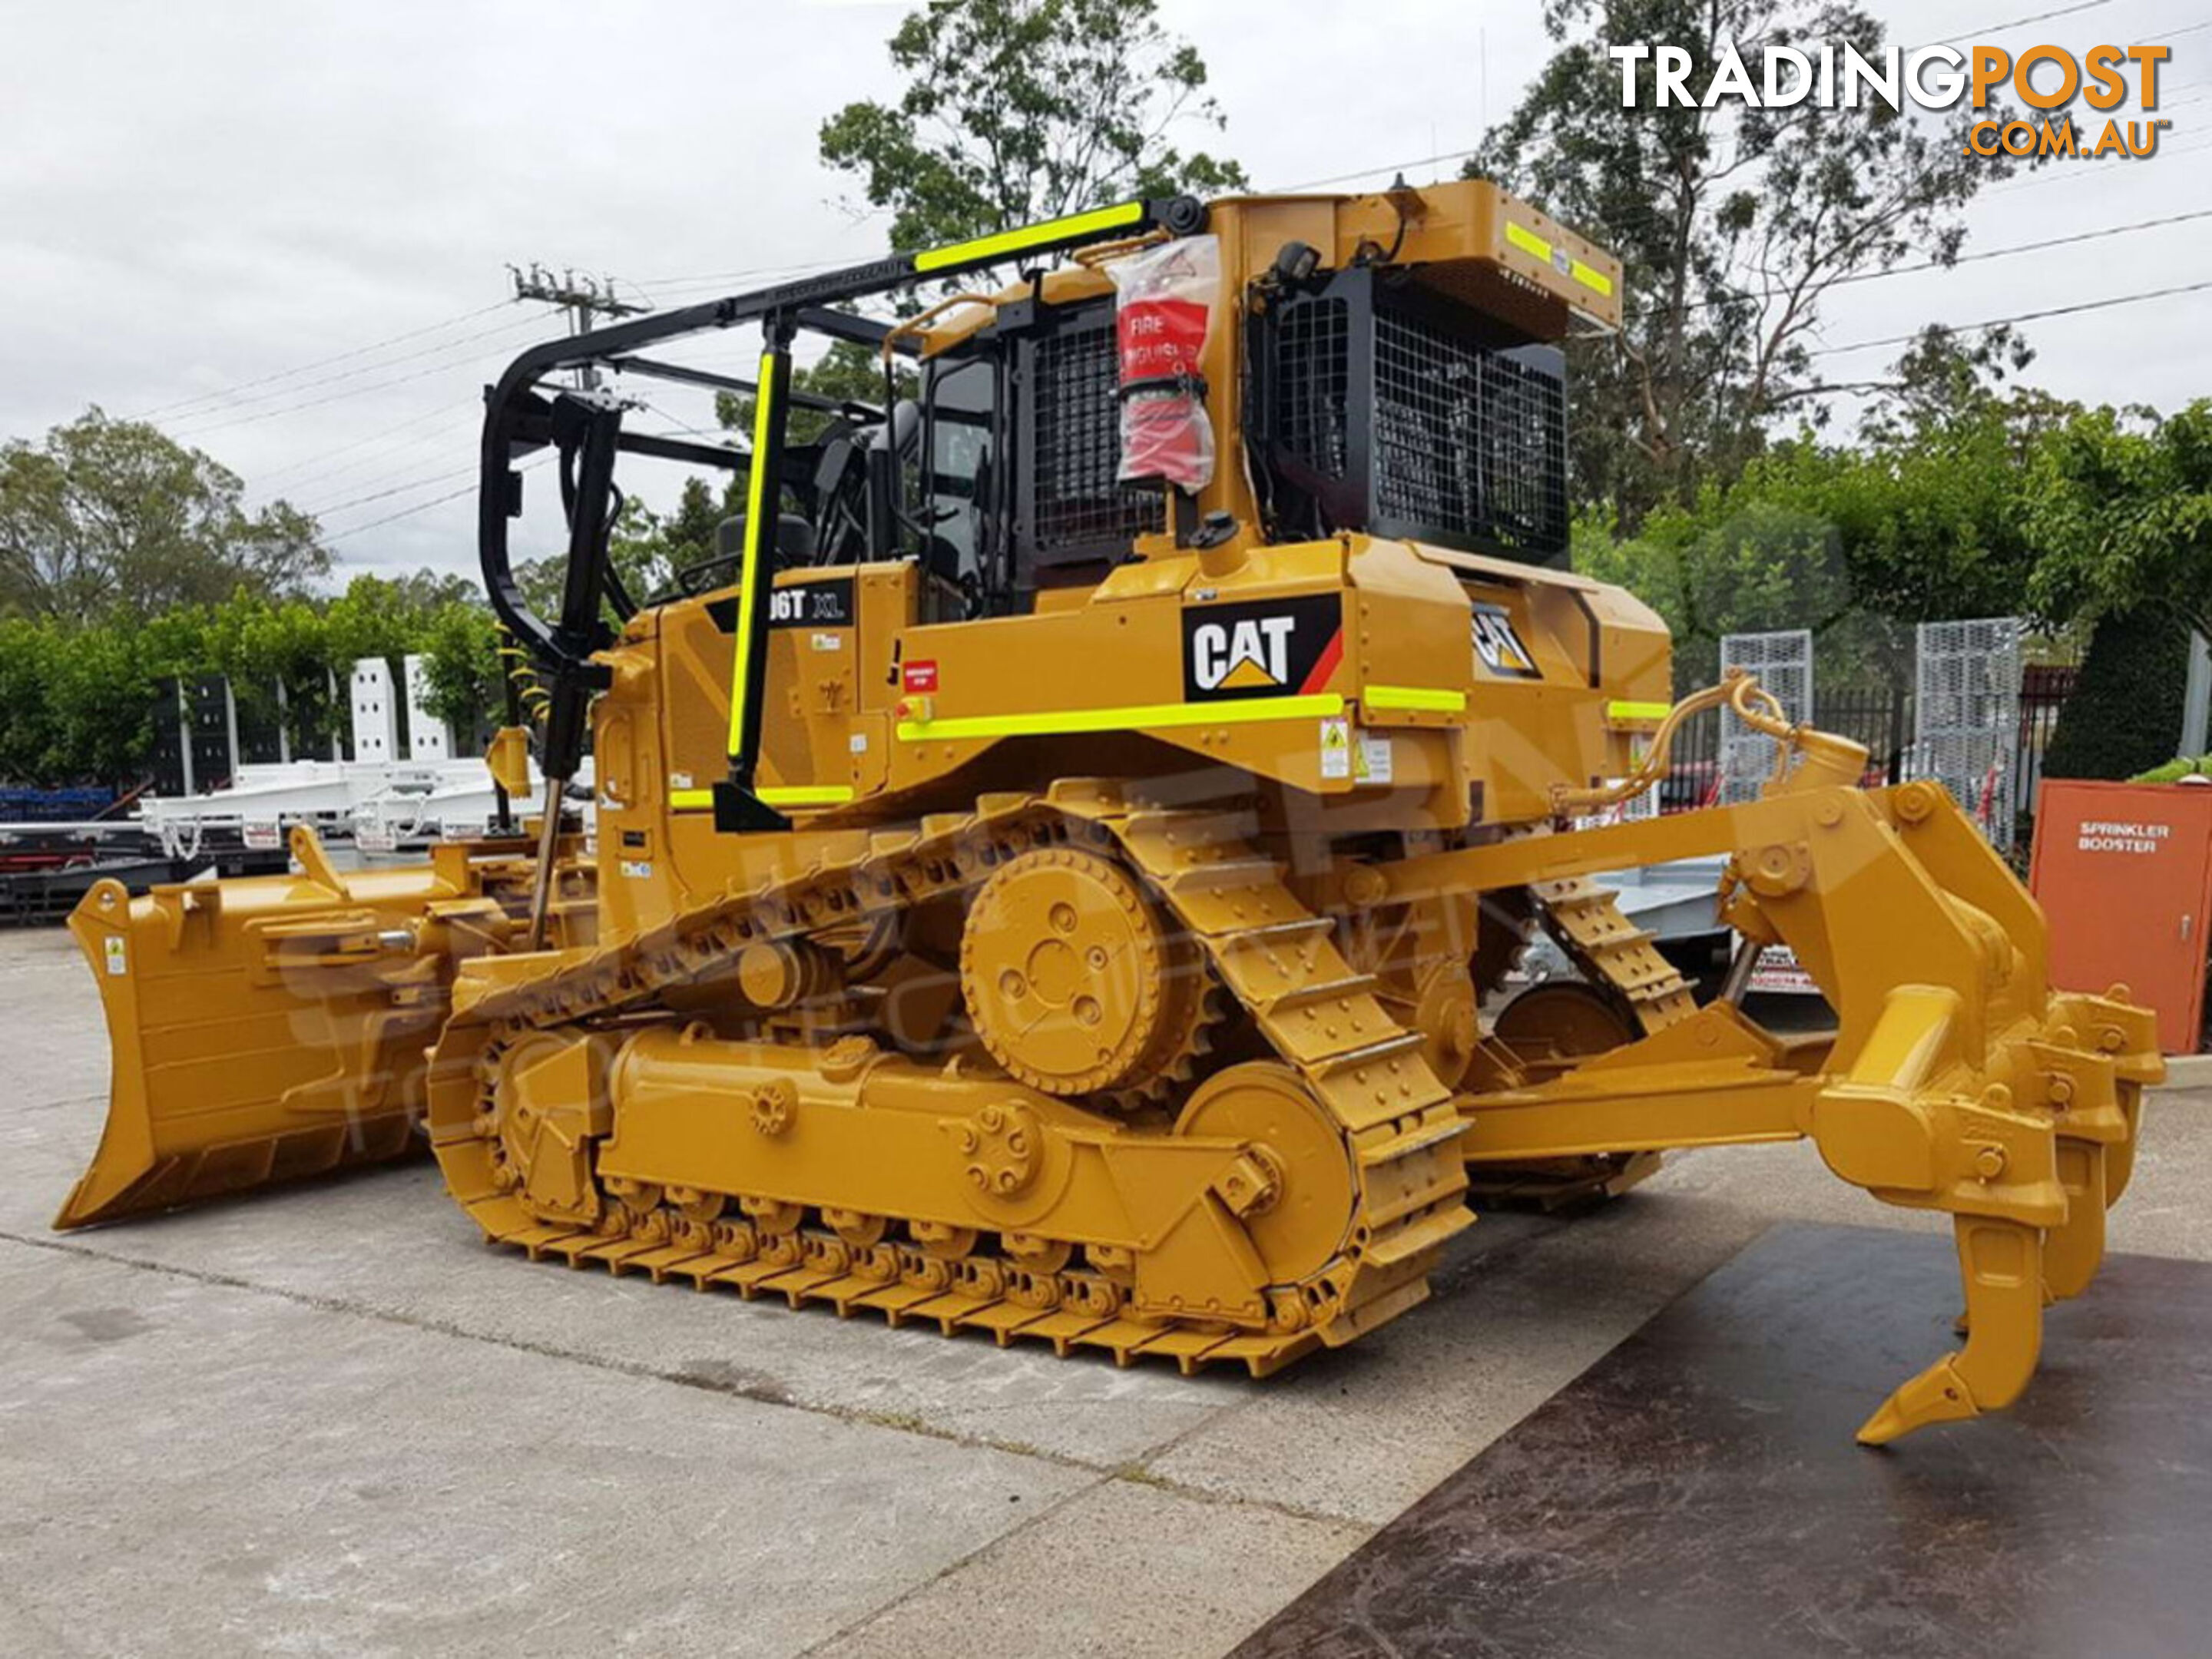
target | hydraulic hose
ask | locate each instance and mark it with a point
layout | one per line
(1738, 691)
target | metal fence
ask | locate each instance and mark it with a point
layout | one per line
(1966, 717)
(1881, 717)
(1783, 663)
(2043, 693)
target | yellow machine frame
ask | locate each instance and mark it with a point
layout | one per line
(1072, 1004)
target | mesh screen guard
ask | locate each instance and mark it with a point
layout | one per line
(1390, 408)
(1079, 503)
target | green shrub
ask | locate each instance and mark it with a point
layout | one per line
(2124, 716)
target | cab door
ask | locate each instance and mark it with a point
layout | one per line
(813, 688)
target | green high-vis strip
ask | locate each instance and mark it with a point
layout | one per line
(807, 794)
(1237, 711)
(801, 794)
(751, 578)
(1638, 711)
(1421, 698)
(1529, 242)
(1007, 243)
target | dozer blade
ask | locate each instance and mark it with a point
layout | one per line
(259, 1030)
(1957, 1080)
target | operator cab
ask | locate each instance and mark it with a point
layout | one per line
(1317, 366)
(1370, 403)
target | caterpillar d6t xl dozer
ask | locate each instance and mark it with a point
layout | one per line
(1057, 874)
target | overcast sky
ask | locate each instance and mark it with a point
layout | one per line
(196, 198)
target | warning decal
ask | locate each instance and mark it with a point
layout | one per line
(1336, 748)
(1372, 765)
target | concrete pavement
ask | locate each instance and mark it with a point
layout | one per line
(328, 1419)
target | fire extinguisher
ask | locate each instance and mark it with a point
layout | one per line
(1163, 307)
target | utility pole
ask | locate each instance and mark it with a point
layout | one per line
(587, 300)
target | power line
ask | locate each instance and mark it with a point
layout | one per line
(582, 305)
(1868, 276)
(2011, 23)
(583, 297)
(1964, 258)
(1463, 155)
(422, 506)
(715, 278)
(449, 353)
(228, 395)
(445, 367)
(1821, 351)
(403, 513)
(318, 403)
(442, 436)
(1368, 172)
(319, 362)
(2031, 248)
(1648, 216)
(383, 494)
(2022, 317)
(2095, 169)
(786, 272)
(444, 351)
(312, 461)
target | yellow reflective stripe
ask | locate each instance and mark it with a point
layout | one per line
(1414, 696)
(1591, 278)
(751, 578)
(1123, 720)
(1008, 242)
(802, 794)
(1638, 711)
(1529, 242)
(808, 794)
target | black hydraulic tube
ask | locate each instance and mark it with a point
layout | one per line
(587, 437)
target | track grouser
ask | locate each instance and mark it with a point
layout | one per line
(1060, 869)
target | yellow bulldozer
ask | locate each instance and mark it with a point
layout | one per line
(1060, 869)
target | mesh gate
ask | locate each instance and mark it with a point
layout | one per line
(1783, 664)
(1967, 720)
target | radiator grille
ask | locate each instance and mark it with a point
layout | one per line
(1397, 414)
(1467, 440)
